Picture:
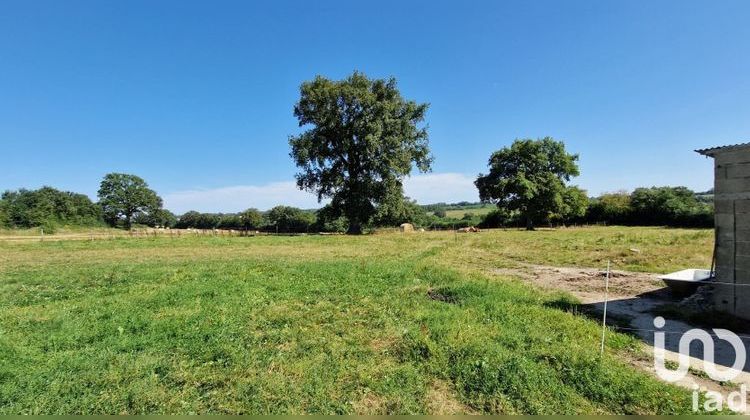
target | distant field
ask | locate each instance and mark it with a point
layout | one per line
(480, 211)
(386, 323)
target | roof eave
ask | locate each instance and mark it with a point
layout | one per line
(712, 151)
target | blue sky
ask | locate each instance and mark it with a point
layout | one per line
(196, 97)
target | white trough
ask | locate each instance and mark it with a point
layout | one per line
(685, 282)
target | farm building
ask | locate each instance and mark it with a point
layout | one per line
(732, 227)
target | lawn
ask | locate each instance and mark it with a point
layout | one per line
(385, 323)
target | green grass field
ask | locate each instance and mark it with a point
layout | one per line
(385, 323)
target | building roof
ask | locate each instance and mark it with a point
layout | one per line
(712, 151)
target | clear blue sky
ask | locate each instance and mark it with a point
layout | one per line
(198, 96)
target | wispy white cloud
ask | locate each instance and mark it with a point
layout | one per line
(425, 188)
(240, 197)
(441, 187)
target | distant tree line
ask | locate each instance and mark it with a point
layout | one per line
(126, 200)
(653, 206)
(283, 219)
(123, 200)
(50, 208)
(47, 208)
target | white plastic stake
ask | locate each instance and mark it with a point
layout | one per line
(604, 317)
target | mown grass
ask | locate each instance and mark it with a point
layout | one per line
(376, 324)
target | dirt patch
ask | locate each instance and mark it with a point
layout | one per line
(588, 281)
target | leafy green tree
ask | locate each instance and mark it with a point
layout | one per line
(4, 219)
(123, 196)
(188, 220)
(362, 141)
(529, 176)
(397, 209)
(290, 219)
(156, 218)
(440, 213)
(208, 221)
(575, 202)
(165, 218)
(251, 219)
(48, 207)
(613, 208)
(230, 221)
(327, 221)
(668, 206)
(196, 220)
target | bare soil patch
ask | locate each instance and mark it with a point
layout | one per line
(589, 282)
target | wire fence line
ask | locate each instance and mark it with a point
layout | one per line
(150, 233)
(708, 282)
(615, 327)
(176, 233)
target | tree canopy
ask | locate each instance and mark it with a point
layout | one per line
(47, 207)
(363, 139)
(124, 196)
(613, 208)
(290, 219)
(196, 220)
(663, 205)
(530, 176)
(398, 209)
(251, 219)
(575, 202)
(156, 218)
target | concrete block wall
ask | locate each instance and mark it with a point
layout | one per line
(732, 219)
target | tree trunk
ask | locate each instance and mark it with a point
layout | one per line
(128, 224)
(529, 224)
(355, 228)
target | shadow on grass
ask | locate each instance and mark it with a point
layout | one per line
(635, 316)
(592, 311)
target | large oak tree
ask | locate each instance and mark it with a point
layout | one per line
(125, 196)
(530, 177)
(363, 139)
